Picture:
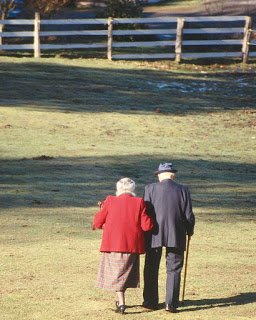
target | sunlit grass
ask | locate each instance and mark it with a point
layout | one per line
(177, 3)
(70, 128)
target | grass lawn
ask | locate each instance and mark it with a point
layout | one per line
(179, 3)
(162, 6)
(69, 129)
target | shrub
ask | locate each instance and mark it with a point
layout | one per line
(123, 8)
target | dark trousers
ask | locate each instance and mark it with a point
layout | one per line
(174, 264)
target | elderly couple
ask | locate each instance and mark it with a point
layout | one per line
(132, 226)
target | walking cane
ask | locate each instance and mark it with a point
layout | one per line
(185, 270)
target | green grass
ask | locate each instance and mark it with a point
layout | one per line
(174, 4)
(178, 3)
(98, 121)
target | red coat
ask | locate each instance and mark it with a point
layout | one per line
(124, 220)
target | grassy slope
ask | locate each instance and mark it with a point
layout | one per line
(178, 3)
(98, 120)
(174, 6)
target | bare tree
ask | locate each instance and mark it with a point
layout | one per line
(5, 8)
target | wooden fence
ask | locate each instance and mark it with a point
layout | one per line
(135, 38)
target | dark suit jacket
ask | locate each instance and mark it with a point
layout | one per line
(170, 205)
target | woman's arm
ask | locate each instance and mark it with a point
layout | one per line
(101, 215)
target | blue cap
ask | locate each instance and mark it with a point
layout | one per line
(165, 167)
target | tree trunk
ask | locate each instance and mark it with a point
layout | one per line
(2, 27)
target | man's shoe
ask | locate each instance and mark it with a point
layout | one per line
(170, 309)
(149, 306)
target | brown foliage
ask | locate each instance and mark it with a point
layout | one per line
(45, 7)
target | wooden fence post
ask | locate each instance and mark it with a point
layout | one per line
(37, 51)
(1, 30)
(179, 35)
(246, 40)
(110, 37)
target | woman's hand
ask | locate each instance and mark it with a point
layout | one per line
(100, 204)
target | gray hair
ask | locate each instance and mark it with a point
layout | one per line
(125, 185)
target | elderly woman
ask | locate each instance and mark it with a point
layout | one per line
(123, 219)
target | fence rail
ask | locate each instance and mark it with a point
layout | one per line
(135, 38)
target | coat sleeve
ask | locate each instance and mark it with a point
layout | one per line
(100, 216)
(147, 199)
(146, 220)
(189, 215)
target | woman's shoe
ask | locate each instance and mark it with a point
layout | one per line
(120, 309)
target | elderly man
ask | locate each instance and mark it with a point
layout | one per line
(169, 203)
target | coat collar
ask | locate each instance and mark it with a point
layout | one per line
(127, 194)
(166, 180)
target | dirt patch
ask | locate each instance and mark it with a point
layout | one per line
(43, 157)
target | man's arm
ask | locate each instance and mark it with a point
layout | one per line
(147, 199)
(189, 215)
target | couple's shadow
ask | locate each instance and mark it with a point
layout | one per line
(203, 304)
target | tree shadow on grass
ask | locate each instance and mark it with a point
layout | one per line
(72, 88)
(240, 299)
(83, 181)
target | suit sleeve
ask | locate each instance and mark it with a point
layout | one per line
(189, 215)
(100, 216)
(146, 220)
(147, 199)
(146, 195)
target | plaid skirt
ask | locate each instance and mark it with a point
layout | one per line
(119, 271)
